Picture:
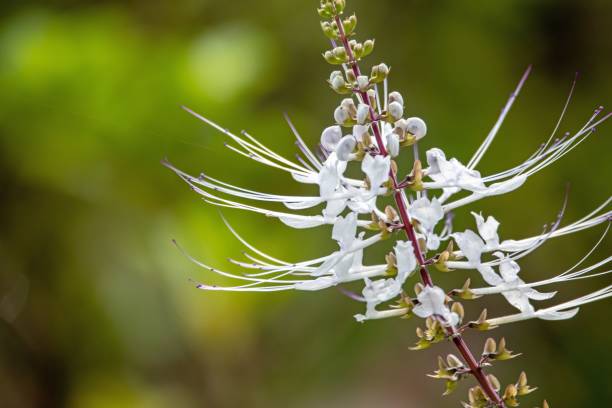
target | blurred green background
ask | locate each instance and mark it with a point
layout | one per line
(95, 305)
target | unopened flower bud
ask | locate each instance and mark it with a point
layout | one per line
(390, 213)
(336, 80)
(490, 347)
(363, 82)
(340, 5)
(372, 98)
(458, 309)
(396, 97)
(393, 146)
(349, 24)
(345, 148)
(359, 131)
(417, 127)
(396, 110)
(349, 105)
(494, 382)
(341, 116)
(328, 30)
(453, 361)
(363, 111)
(379, 73)
(330, 137)
(368, 47)
(350, 75)
(383, 69)
(340, 53)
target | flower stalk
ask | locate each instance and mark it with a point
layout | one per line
(398, 194)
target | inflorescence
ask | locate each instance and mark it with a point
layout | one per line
(370, 130)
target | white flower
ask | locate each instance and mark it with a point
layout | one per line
(471, 245)
(330, 137)
(377, 169)
(344, 231)
(487, 229)
(428, 214)
(432, 303)
(516, 295)
(451, 173)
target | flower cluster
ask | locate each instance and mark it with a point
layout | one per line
(371, 128)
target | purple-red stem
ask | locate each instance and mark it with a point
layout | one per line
(455, 336)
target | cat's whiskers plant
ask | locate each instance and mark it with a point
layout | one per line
(422, 213)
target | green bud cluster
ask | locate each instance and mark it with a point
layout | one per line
(495, 351)
(432, 334)
(452, 371)
(331, 8)
(338, 55)
(519, 389)
(331, 30)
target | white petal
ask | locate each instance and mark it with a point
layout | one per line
(303, 222)
(322, 282)
(471, 245)
(519, 300)
(489, 275)
(359, 131)
(487, 229)
(552, 315)
(377, 169)
(506, 186)
(344, 230)
(406, 260)
(427, 212)
(509, 269)
(330, 137)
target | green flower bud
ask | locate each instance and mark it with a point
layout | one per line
(349, 24)
(340, 6)
(331, 58)
(326, 10)
(379, 73)
(357, 50)
(368, 47)
(329, 30)
(340, 54)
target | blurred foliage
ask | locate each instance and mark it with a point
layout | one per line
(95, 306)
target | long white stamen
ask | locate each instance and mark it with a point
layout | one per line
(489, 139)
